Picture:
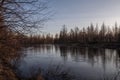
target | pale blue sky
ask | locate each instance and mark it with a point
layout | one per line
(81, 13)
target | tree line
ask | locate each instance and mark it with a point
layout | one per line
(36, 39)
(90, 34)
(87, 35)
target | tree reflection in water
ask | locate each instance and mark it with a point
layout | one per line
(80, 58)
(91, 55)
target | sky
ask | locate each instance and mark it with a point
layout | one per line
(81, 13)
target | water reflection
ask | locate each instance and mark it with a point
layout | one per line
(90, 55)
(86, 63)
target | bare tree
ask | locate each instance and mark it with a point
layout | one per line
(22, 15)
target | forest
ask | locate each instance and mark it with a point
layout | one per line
(91, 35)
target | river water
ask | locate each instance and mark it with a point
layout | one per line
(84, 63)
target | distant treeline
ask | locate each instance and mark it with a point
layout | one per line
(36, 39)
(87, 35)
(90, 34)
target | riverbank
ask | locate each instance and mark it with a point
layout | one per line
(114, 45)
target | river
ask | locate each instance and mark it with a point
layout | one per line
(82, 62)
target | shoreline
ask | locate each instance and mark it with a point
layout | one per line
(91, 45)
(95, 45)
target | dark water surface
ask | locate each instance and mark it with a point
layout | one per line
(83, 63)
